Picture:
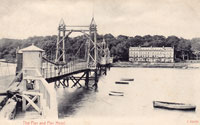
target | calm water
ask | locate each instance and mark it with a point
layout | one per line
(164, 84)
(7, 73)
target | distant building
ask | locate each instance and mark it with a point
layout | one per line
(151, 54)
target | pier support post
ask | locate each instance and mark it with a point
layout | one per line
(100, 68)
(67, 80)
(96, 79)
(57, 85)
(105, 68)
(23, 99)
(87, 80)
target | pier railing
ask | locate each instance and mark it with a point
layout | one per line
(45, 91)
(50, 69)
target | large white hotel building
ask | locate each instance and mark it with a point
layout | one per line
(151, 54)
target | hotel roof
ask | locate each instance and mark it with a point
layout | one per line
(151, 48)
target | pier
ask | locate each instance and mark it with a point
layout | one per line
(32, 93)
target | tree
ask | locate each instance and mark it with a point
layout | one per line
(119, 46)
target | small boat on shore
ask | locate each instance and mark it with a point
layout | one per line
(121, 82)
(126, 79)
(174, 106)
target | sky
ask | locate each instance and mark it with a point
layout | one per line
(21, 19)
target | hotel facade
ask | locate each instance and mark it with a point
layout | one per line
(151, 54)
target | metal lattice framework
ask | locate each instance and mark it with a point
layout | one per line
(91, 44)
(89, 56)
(35, 91)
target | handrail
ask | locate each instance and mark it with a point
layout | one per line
(48, 94)
(15, 79)
(49, 69)
(57, 64)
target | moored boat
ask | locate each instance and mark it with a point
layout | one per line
(121, 82)
(116, 94)
(126, 79)
(173, 106)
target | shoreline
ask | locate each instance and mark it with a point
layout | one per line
(155, 65)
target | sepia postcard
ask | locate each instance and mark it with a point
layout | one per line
(99, 62)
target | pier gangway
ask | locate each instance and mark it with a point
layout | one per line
(37, 73)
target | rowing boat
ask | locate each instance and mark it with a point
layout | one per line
(173, 106)
(126, 79)
(116, 94)
(121, 82)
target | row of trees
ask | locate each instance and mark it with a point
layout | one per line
(119, 46)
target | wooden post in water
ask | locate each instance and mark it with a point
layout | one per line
(87, 80)
(23, 99)
(105, 68)
(96, 78)
(100, 68)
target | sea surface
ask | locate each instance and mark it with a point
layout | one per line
(7, 74)
(136, 106)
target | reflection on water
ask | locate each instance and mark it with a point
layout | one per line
(70, 102)
(150, 84)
